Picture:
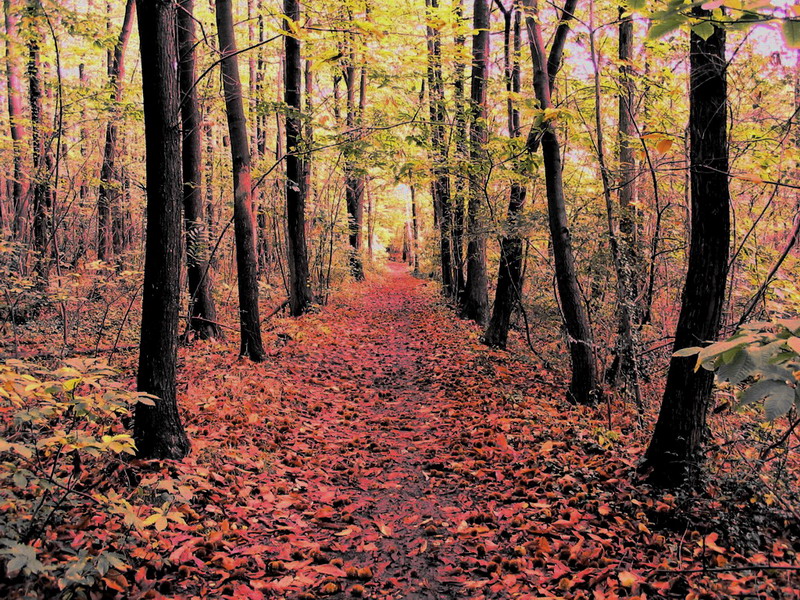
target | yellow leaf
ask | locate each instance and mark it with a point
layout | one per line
(627, 579)
(664, 145)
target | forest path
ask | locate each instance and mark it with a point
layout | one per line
(383, 436)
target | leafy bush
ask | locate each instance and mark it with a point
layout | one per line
(61, 438)
(761, 358)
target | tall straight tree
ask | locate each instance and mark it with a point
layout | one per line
(583, 385)
(475, 303)
(157, 429)
(202, 310)
(676, 446)
(243, 215)
(461, 162)
(440, 185)
(296, 182)
(110, 180)
(509, 277)
(16, 118)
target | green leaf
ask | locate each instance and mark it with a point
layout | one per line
(739, 369)
(779, 397)
(661, 28)
(791, 35)
(686, 352)
(779, 403)
(704, 29)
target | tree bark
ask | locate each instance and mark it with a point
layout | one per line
(675, 450)
(509, 277)
(110, 181)
(296, 185)
(583, 385)
(157, 429)
(16, 117)
(243, 215)
(460, 190)
(476, 295)
(202, 310)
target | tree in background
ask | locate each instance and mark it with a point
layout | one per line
(243, 215)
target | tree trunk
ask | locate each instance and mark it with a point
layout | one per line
(476, 295)
(676, 448)
(202, 311)
(297, 253)
(243, 216)
(110, 181)
(509, 277)
(415, 229)
(583, 386)
(16, 117)
(41, 175)
(157, 429)
(440, 186)
(460, 188)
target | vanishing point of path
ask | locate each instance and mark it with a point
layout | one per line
(389, 454)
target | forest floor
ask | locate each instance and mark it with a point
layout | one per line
(382, 451)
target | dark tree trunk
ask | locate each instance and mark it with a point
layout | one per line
(16, 117)
(296, 185)
(354, 182)
(583, 386)
(509, 277)
(157, 429)
(202, 311)
(627, 161)
(415, 229)
(243, 216)
(476, 294)
(460, 187)
(440, 186)
(676, 448)
(41, 175)
(110, 180)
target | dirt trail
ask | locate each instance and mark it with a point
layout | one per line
(384, 437)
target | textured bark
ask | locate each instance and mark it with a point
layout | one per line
(440, 186)
(16, 117)
(583, 385)
(475, 305)
(296, 186)
(110, 180)
(42, 201)
(202, 310)
(676, 448)
(415, 229)
(460, 187)
(157, 429)
(509, 276)
(243, 215)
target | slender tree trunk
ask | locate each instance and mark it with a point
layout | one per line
(110, 181)
(41, 175)
(676, 448)
(626, 347)
(460, 189)
(297, 253)
(509, 277)
(415, 228)
(157, 429)
(202, 311)
(440, 186)
(16, 117)
(476, 295)
(583, 386)
(243, 215)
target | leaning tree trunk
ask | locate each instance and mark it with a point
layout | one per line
(157, 429)
(16, 118)
(202, 311)
(476, 295)
(110, 180)
(676, 448)
(509, 277)
(583, 386)
(296, 185)
(243, 216)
